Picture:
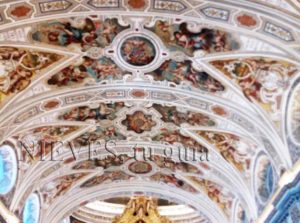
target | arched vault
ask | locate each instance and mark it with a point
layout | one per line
(193, 103)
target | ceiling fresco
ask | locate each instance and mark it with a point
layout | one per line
(178, 37)
(231, 147)
(190, 102)
(77, 33)
(184, 72)
(221, 196)
(20, 66)
(263, 81)
(32, 140)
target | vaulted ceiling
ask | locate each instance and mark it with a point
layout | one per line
(214, 77)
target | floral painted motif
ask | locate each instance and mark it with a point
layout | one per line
(180, 37)
(216, 193)
(279, 32)
(216, 13)
(138, 51)
(260, 79)
(178, 72)
(169, 6)
(231, 147)
(171, 114)
(19, 66)
(104, 3)
(88, 70)
(98, 113)
(84, 33)
(139, 122)
(54, 6)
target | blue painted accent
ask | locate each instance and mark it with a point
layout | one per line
(2, 170)
(266, 189)
(244, 218)
(268, 183)
(287, 204)
(31, 212)
(8, 169)
(270, 179)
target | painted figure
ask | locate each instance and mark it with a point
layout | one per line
(261, 80)
(174, 136)
(38, 141)
(216, 193)
(138, 51)
(59, 186)
(231, 147)
(181, 37)
(178, 72)
(101, 112)
(88, 71)
(85, 33)
(19, 66)
(171, 114)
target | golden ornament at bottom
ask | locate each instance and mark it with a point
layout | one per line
(141, 210)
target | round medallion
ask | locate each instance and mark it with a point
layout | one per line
(140, 167)
(138, 51)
